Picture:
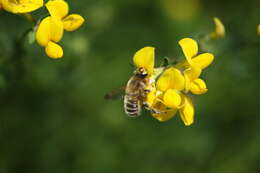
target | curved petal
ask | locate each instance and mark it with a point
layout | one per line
(150, 98)
(198, 86)
(219, 29)
(145, 58)
(56, 28)
(187, 111)
(171, 79)
(57, 8)
(189, 48)
(172, 98)
(203, 60)
(43, 33)
(24, 6)
(192, 73)
(165, 116)
(187, 83)
(165, 113)
(72, 22)
(54, 50)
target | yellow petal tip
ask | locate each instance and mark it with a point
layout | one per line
(189, 48)
(54, 50)
(73, 22)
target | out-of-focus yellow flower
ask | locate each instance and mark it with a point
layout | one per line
(50, 30)
(219, 29)
(21, 6)
(181, 10)
(258, 29)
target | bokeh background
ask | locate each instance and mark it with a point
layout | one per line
(53, 117)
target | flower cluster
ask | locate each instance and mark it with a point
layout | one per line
(50, 30)
(20, 6)
(169, 93)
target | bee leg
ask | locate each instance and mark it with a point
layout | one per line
(145, 104)
(154, 111)
(147, 91)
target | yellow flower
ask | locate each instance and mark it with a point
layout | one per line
(21, 6)
(168, 103)
(50, 30)
(258, 29)
(145, 58)
(190, 50)
(167, 98)
(171, 79)
(194, 64)
(169, 94)
(219, 29)
(187, 111)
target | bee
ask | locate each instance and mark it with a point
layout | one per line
(136, 92)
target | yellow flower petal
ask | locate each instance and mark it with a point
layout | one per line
(258, 29)
(192, 73)
(172, 98)
(145, 58)
(56, 28)
(21, 6)
(43, 33)
(187, 111)
(50, 29)
(189, 48)
(150, 98)
(72, 22)
(54, 50)
(198, 86)
(57, 8)
(171, 79)
(203, 60)
(165, 116)
(187, 83)
(219, 30)
(165, 113)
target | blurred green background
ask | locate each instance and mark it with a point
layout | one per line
(53, 117)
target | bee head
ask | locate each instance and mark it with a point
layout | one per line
(141, 72)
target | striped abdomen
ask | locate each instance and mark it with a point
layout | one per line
(132, 106)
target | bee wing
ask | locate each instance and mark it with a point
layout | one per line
(115, 94)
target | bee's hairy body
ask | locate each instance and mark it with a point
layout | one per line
(135, 93)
